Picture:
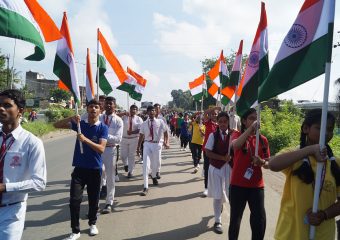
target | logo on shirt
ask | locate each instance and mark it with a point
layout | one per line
(15, 161)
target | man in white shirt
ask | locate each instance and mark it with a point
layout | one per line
(128, 146)
(234, 120)
(22, 165)
(115, 131)
(152, 131)
(160, 116)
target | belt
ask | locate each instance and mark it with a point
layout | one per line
(130, 137)
(9, 204)
(152, 141)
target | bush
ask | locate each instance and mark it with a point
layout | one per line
(335, 145)
(281, 127)
(57, 113)
(38, 128)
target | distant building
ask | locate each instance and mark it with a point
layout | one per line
(40, 86)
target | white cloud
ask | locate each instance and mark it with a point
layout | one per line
(127, 60)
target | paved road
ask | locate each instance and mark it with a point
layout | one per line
(172, 210)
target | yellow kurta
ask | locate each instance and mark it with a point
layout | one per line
(197, 137)
(297, 198)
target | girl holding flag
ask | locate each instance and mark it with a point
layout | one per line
(247, 185)
(299, 167)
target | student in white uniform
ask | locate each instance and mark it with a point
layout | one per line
(159, 115)
(151, 132)
(115, 131)
(218, 151)
(22, 165)
(128, 146)
(234, 120)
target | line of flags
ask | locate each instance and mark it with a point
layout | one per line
(27, 20)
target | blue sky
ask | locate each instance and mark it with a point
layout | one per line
(165, 40)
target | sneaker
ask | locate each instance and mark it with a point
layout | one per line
(107, 209)
(195, 169)
(154, 181)
(103, 192)
(185, 149)
(117, 178)
(93, 230)
(129, 175)
(126, 168)
(218, 228)
(205, 192)
(144, 192)
(158, 176)
(73, 236)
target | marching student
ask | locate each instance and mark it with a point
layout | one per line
(128, 146)
(198, 131)
(185, 134)
(299, 167)
(234, 120)
(217, 150)
(159, 115)
(115, 132)
(247, 185)
(22, 165)
(87, 165)
(210, 125)
(151, 132)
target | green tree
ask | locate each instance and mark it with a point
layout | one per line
(59, 95)
(7, 74)
(181, 100)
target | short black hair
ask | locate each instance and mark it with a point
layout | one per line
(150, 107)
(133, 106)
(157, 105)
(93, 101)
(110, 99)
(16, 95)
(102, 97)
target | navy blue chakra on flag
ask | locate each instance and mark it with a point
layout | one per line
(253, 59)
(296, 36)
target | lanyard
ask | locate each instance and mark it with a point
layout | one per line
(3, 154)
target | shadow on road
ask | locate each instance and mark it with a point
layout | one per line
(187, 232)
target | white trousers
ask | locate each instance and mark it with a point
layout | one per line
(151, 153)
(160, 156)
(128, 147)
(12, 220)
(109, 161)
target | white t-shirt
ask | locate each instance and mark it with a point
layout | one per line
(158, 127)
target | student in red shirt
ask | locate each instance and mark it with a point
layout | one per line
(247, 185)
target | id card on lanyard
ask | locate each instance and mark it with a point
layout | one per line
(249, 171)
(6, 149)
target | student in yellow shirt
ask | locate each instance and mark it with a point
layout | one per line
(299, 167)
(198, 131)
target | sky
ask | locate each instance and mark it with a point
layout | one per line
(166, 40)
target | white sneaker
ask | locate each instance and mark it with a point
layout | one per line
(73, 236)
(93, 230)
(117, 178)
(205, 193)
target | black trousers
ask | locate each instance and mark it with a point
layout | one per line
(239, 197)
(184, 141)
(206, 169)
(80, 178)
(196, 152)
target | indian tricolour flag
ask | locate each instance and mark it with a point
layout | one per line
(111, 73)
(26, 20)
(64, 62)
(235, 74)
(304, 51)
(257, 67)
(219, 75)
(197, 88)
(89, 80)
(139, 84)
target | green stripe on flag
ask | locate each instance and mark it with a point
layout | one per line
(234, 78)
(126, 87)
(248, 96)
(14, 25)
(296, 69)
(104, 84)
(136, 96)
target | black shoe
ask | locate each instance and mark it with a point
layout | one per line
(103, 192)
(158, 176)
(154, 181)
(126, 168)
(218, 228)
(107, 209)
(144, 192)
(129, 175)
